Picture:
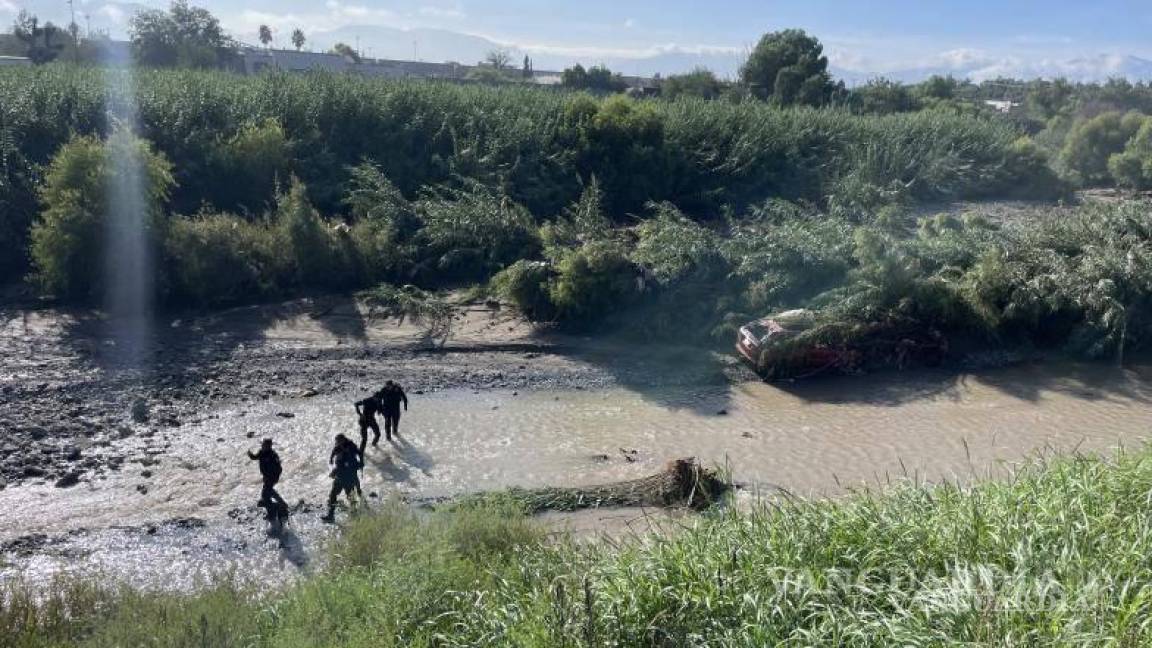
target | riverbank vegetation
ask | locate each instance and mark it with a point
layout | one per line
(1055, 555)
(680, 218)
(281, 184)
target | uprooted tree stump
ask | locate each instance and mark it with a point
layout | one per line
(682, 483)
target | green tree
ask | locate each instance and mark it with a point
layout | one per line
(183, 36)
(882, 96)
(575, 77)
(1047, 99)
(498, 59)
(700, 82)
(40, 42)
(788, 67)
(298, 39)
(265, 35)
(939, 87)
(597, 79)
(67, 236)
(347, 51)
(1133, 167)
(1093, 141)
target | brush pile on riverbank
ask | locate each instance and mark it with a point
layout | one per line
(1058, 555)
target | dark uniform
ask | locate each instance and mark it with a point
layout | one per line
(367, 410)
(345, 476)
(270, 470)
(390, 398)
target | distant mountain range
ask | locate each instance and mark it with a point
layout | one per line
(439, 45)
(1095, 68)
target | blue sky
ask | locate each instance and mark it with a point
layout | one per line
(1038, 36)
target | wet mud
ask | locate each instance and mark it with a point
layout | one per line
(170, 501)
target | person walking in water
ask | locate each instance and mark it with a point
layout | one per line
(345, 476)
(270, 470)
(367, 410)
(390, 398)
(343, 443)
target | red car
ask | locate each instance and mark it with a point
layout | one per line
(760, 344)
(880, 345)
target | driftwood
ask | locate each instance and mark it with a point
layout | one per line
(682, 483)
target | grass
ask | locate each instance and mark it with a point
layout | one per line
(1057, 555)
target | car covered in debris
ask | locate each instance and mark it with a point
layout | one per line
(799, 343)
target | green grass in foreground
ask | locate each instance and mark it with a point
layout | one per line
(1059, 555)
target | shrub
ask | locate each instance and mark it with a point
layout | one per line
(592, 281)
(219, 259)
(881, 97)
(249, 166)
(70, 236)
(1093, 141)
(584, 221)
(414, 304)
(384, 224)
(671, 247)
(323, 256)
(1133, 167)
(624, 149)
(1029, 174)
(526, 284)
(472, 232)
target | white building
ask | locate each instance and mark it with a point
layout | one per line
(1003, 106)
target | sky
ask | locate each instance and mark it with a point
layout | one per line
(1079, 38)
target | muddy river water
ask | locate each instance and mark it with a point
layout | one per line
(193, 511)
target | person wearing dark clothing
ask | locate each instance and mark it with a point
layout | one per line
(270, 470)
(337, 448)
(390, 398)
(367, 410)
(345, 475)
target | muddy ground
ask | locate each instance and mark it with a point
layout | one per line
(73, 417)
(67, 407)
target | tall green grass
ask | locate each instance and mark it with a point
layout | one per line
(1058, 554)
(537, 147)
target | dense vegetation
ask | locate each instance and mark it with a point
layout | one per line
(691, 216)
(438, 184)
(1058, 555)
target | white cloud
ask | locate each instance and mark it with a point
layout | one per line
(629, 23)
(449, 13)
(7, 6)
(113, 13)
(963, 58)
(594, 51)
(337, 15)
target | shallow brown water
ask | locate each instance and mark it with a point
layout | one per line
(812, 438)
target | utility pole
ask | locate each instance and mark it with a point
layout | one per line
(415, 50)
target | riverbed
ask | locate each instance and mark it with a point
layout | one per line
(494, 413)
